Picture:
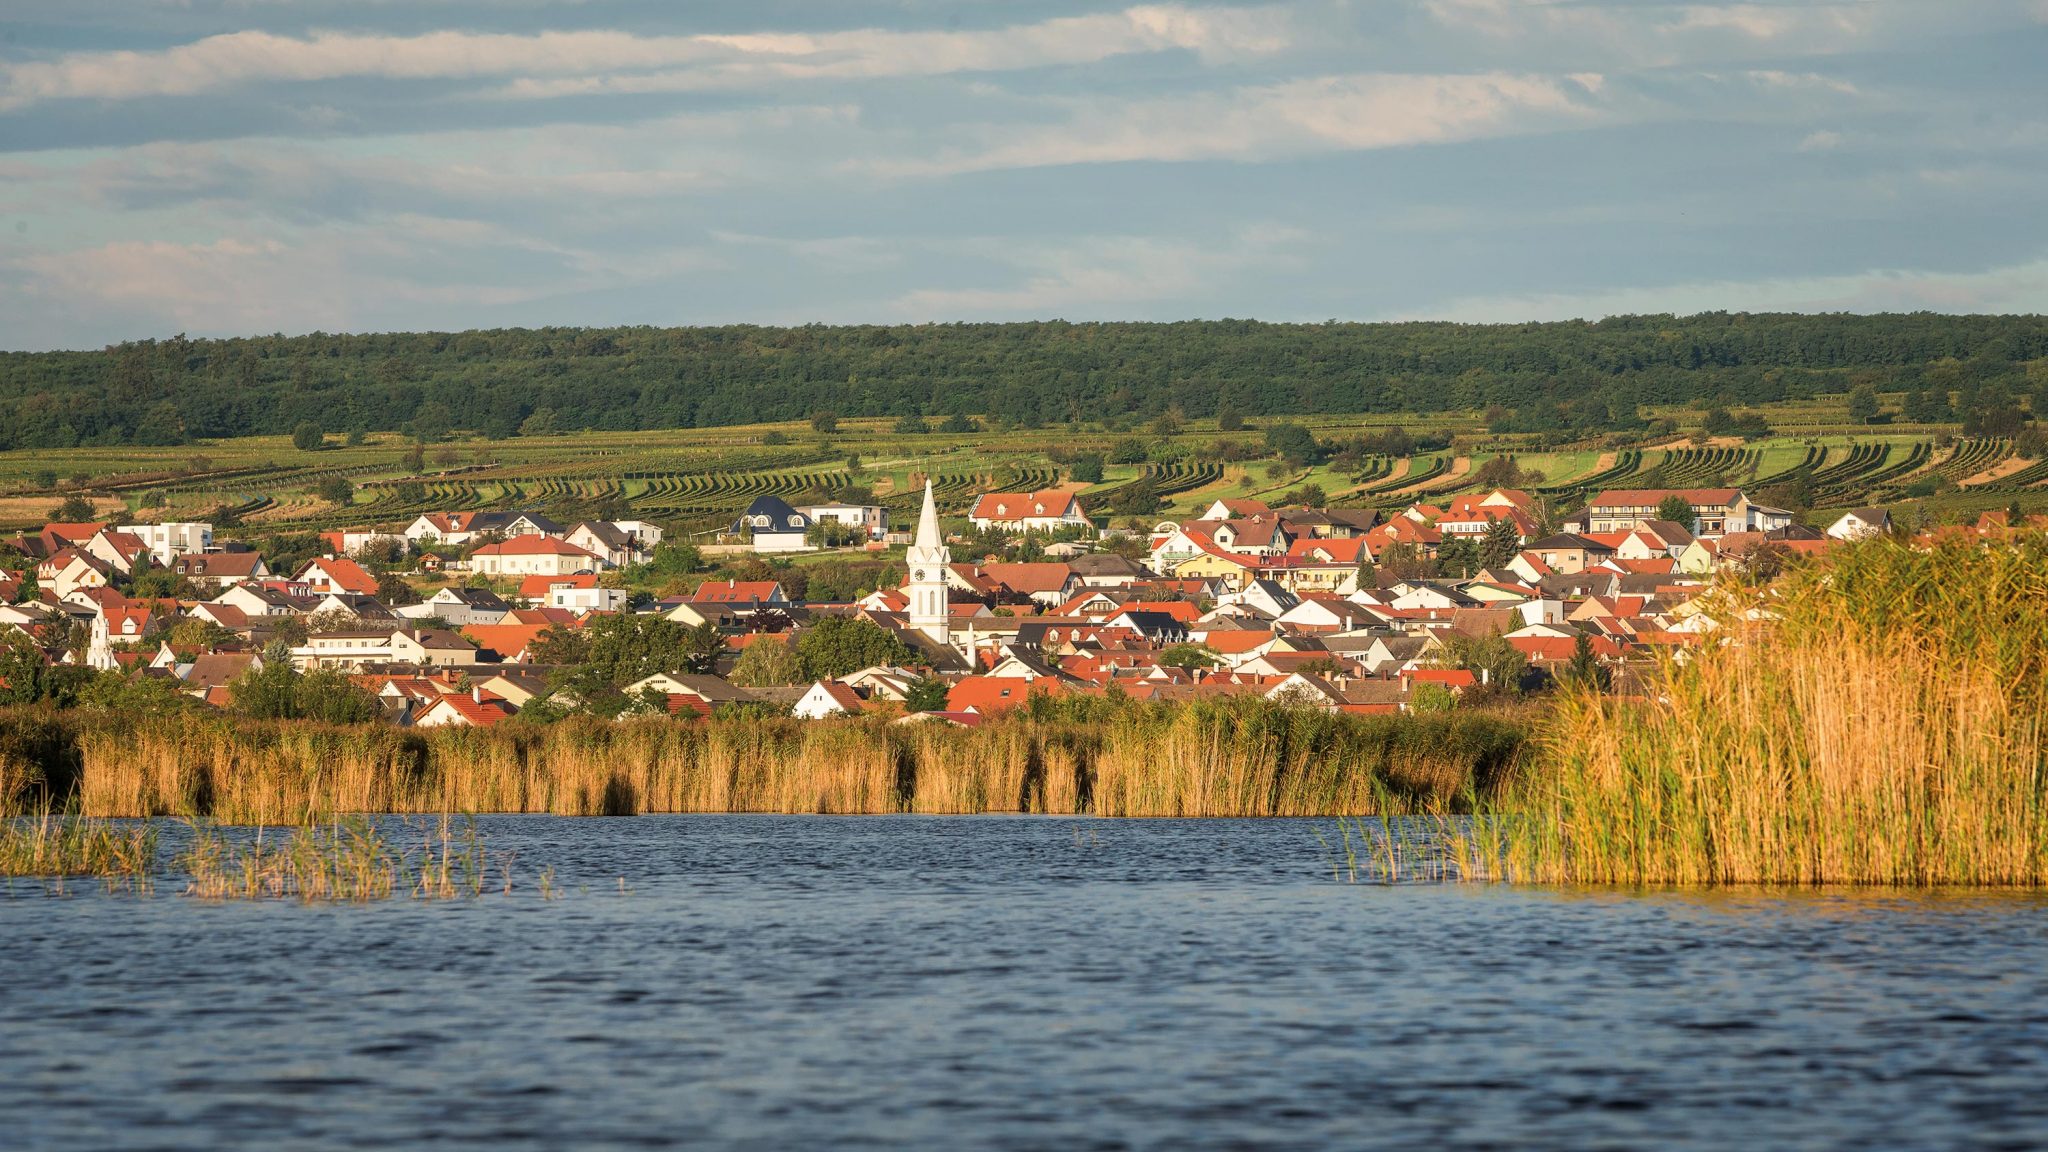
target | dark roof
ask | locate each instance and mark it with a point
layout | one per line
(1566, 540)
(782, 518)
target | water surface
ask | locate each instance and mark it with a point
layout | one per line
(780, 982)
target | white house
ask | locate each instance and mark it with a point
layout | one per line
(584, 601)
(872, 520)
(460, 607)
(165, 541)
(773, 526)
(827, 698)
(1045, 511)
(1857, 523)
(532, 554)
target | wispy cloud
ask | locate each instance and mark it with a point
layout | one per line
(1330, 113)
(576, 62)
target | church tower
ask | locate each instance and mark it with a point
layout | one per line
(929, 558)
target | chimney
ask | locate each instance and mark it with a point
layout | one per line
(476, 693)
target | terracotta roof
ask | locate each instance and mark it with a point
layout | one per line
(1022, 505)
(736, 592)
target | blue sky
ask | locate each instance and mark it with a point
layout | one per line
(239, 166)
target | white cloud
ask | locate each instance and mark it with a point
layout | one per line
(1113, 271)
(2020, 288)
(1330, 113)
(552, 63)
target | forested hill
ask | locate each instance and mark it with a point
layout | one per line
(1571, 374)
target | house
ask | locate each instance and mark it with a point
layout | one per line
(1042, 582)
(1044, 511)
(585, 599)
(1566, 554)
(166, 542)
(456, 528)
(1255, 537)
(1236, 510)
(332, 574)
(533, 554)
(122, 551)
(1715, 510)
(472, 709)
(618, 544)
(256, 601)
(460, 607)
(1857, 523)
(219, 569)
(1106, 570)
(352, 541)
(870, 520)
(1473, 516)
(70, 570)
(772, 526)
(744, 597)
(359, 648)
(828, 698)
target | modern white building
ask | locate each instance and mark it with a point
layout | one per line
(871, 519)
(166, 541)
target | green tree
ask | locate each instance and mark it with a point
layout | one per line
(1863, 404)
(1678, 510)
(335, 489)
(1497, 663)
(926, 694)
(540, 423)
(393, 591)
(837, 645)
(308, 437)
(1228, 418)
(912, 425)
(1086, 469)
(1189, 656)
(1502, 540)
(676, 558)
(824, 422)
(161, 427)
(75, 509)
(1584, 670)
(960, 424)
(767, 662)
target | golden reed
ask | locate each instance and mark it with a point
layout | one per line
(1237, 759)
(1876, 719)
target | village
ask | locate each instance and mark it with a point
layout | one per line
(475, 618)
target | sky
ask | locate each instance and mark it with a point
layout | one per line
(230, 167)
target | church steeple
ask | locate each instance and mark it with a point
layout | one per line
(929, 558)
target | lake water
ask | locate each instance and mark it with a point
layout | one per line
(788, 982)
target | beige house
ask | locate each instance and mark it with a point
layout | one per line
(533, 555)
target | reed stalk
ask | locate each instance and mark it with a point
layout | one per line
(1877, 719)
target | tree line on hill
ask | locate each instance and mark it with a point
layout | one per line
(1551, 377)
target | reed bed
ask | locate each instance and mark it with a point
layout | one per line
(348, 860)
(1877, 719)
(53, 847)
(1235, 759)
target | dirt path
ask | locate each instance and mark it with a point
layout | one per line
(1998, 471)
(1460, 468)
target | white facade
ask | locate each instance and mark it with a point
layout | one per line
(168, 540)
(871, 519)
(584, 601)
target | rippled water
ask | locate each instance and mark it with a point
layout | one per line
(781, 982)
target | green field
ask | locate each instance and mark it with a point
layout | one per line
(696, 480)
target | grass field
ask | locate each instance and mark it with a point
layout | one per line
(697, 479)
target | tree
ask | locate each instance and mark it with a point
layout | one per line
(1502, 540)
(1138, 498)
(308, 437)
(773, 439)
(335, 489)
(161, 427)
(1293, 443)
(1228, 418)
(837, 645)
(926, 694)
(540, 423)
(1497, 663)
(1086, 469)
(912, 425)
(393, 591)
(767, 662)
(824, 423)
(432, 422)
(1863, 404)
(960, 424)
(676, 558)
(1189, 656)
(1584, 670)
(1678, 510)
(1402, 560)
(75, 509)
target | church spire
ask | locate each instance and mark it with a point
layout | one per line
(928, 521)
(929, 558)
